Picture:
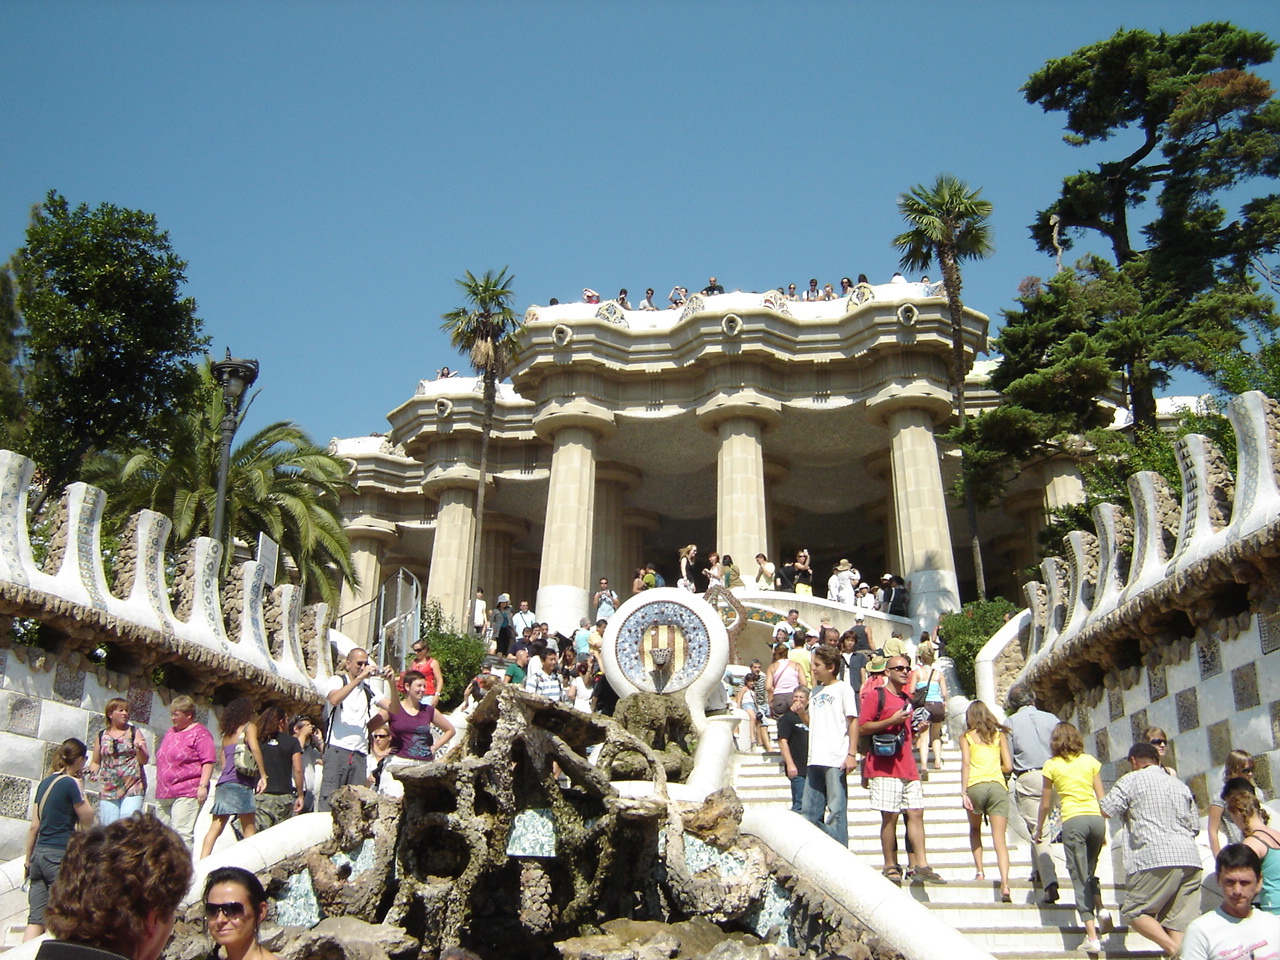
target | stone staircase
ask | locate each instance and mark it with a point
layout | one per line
(1025, 929)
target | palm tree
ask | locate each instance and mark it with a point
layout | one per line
(948, 222)
(280, 483)
(485, 328)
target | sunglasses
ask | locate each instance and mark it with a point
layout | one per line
(1158, 743)
(233, 910)
(898, 668)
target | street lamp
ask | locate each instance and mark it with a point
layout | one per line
(236, 376)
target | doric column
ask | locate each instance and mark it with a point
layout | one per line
(369, 537)
(496, 567)
(453, 487)
(635, 525)
(739, 419)
(613, 480)
(1063, 484)
(573, 430)
(920, 505)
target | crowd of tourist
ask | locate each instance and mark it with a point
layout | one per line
(678, 295)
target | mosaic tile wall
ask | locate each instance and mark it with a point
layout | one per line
(41, 708)
(1224, 696)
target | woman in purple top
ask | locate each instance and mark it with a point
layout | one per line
(234, 796)
(410, 720)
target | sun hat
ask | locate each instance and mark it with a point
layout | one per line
(877, 665)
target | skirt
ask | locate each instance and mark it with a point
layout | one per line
(233, 799)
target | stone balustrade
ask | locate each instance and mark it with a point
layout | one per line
(238, 633)
(1166, 616)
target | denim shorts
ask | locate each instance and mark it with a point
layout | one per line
(232, 799)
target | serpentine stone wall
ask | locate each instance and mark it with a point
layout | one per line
(1170, 616)
(115, 626)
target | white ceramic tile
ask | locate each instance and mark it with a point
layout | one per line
(1217, 701)
(58, 722)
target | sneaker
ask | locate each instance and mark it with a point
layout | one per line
(1091, 946)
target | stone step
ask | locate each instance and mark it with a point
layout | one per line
(1020, 941)
(984, 894)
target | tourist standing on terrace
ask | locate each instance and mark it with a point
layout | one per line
(890, 769)
(678, 295)
(1075, 776)
(605, 600)
(184, 767)
(502, 625)
(1161, 861)
(647, 302)
(1030, 730)
(119, 754)
(813, 293)
(352, 704)
(524, 617)
(782, 679)
(712, 288)
(687, 556)
(767, 573)
(833, 742)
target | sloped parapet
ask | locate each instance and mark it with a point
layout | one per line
(187, 629)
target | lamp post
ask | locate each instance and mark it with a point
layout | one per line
(236, 376)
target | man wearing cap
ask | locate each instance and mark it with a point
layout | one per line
(863, 598)
(1029, 733)
(1161, 862)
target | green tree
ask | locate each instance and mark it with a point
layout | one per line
(485, 328)
(1207, 125)
(949, 223)
(964, 634)
(12, 413)
(109, 336)
(280, 484)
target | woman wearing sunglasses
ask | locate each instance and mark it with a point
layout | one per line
(234, 907)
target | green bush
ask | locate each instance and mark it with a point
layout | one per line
(461, 656)
(965, 633)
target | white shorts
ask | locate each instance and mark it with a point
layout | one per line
(890, 795)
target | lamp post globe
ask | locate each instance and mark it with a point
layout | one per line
(235, 375)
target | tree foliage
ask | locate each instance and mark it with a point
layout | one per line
(949, 223)
(461, 655)
(12, 411)
(486, 329)
(280, 484)
(108, 334)
(965, 633)
(1206, 125)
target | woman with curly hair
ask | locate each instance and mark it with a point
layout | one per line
(1076, 776)
(235, 904)
(118, 892)
(234, 796)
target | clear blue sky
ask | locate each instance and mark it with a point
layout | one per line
(329, 168)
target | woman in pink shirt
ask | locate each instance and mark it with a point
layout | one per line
(184, 764)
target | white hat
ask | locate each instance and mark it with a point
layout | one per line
(858, 618)
(503, 598)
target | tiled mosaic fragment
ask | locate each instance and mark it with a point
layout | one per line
(24, 715)
(1209, 654)
(1219, 741)
(68, 683)
(1187, 705)
(1157, 682)
(15, 797)
(1244, 686)
(1102, 746)
(1115, 703)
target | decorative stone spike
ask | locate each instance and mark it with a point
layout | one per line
(1256, 419)
(1207, 489)
(1113, 547)
(16, 564)
(1156, 517)
(1055, 579)
(1083, 563)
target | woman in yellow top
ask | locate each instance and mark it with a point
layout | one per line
(1075, 775)
(985, 761)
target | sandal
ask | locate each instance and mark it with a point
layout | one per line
(925, 875)
(893, 874)
(1006, 896)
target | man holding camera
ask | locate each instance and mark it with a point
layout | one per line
(352, 704)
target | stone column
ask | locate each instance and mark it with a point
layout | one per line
(1063, 484)
(742, 528)
(496, 568)
(450, 579)
(613, 480)
(920, 509)
(573, 430)
(358, 608)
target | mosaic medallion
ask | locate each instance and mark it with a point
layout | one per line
(666, 641)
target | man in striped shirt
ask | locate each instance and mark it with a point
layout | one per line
(546, 680)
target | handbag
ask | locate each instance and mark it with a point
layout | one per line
(243, 760)
(887, 744)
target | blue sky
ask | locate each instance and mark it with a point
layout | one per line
(329, 168)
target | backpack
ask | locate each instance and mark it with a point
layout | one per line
(242, 758)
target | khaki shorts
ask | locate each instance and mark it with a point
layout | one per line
(1170, 894)
(990, 799)
(889, 794)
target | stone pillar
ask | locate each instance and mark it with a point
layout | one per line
(742, 528)
(450, 580)
(573, 430)
(1063, 484)
(780, 517)
(496, 567)
(358, 607)
(608, 558)
(739, 417)
(920, 511)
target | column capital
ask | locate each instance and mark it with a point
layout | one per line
(646, 520)
(371, 528)
(887, 401)
(625, 475)
(574, 412)
(748, 404)
(449, 476)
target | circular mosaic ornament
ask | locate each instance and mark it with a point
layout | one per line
(664, 641)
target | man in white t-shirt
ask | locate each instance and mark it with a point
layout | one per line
(524, 617)
(1235, 931)
(351, 705)
(833, 744)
